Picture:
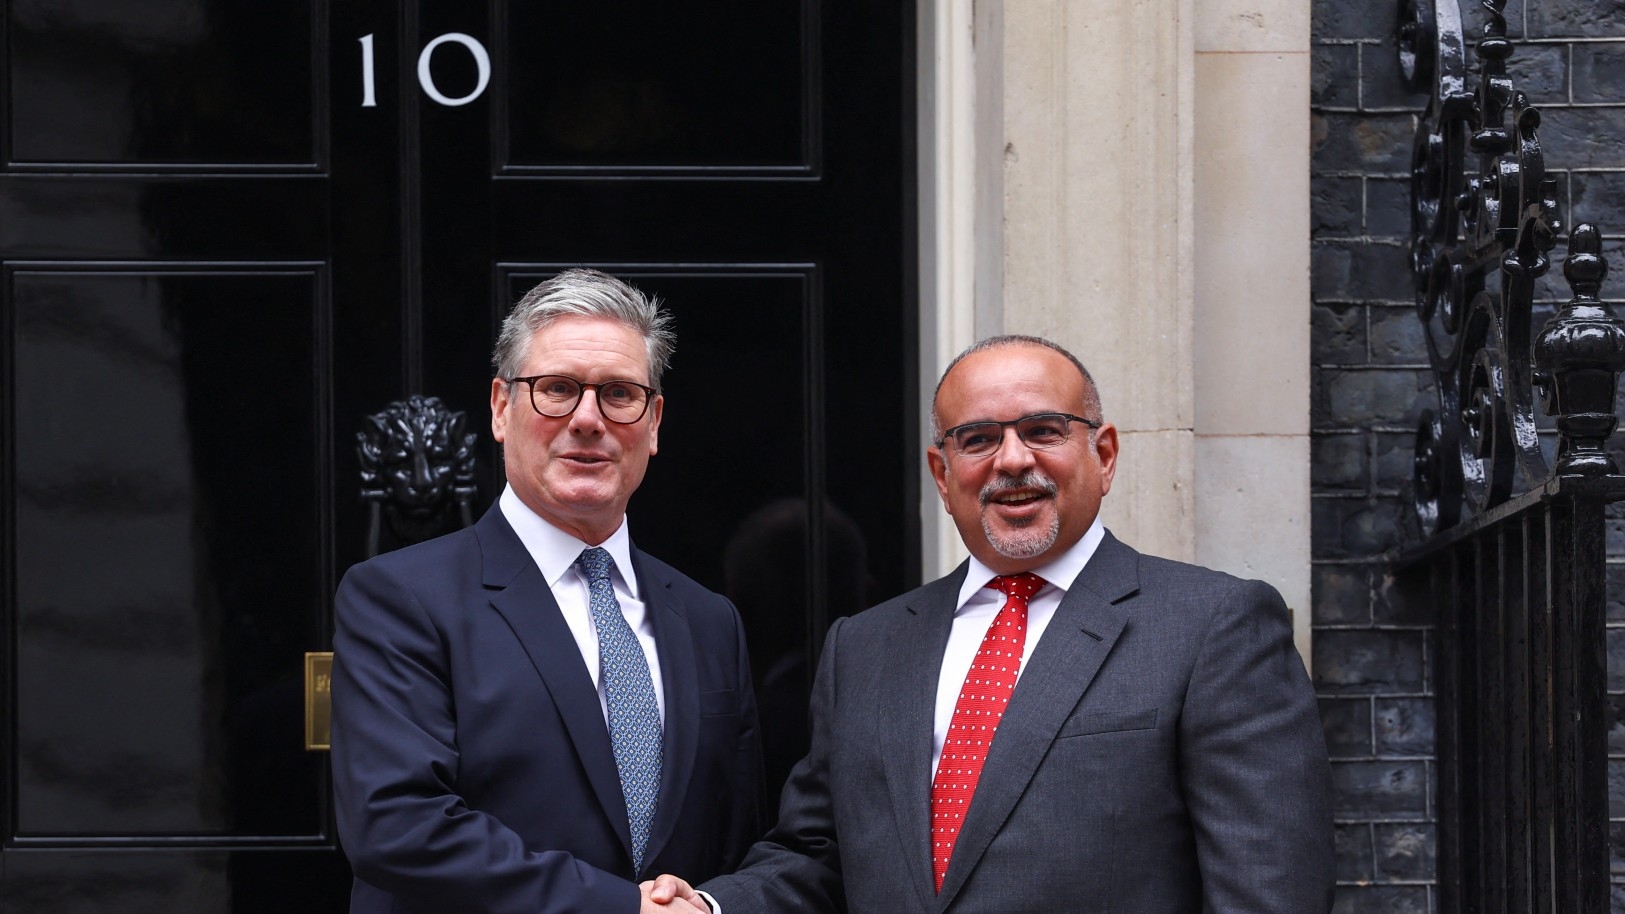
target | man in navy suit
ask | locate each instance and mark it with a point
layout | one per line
(530, 715)
(1062, 723)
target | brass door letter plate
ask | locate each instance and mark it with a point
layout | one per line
(318, 701)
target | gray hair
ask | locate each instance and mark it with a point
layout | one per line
(1091, 393)
(583, 292)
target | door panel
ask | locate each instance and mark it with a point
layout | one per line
(164, 83)
(217, 258)
(651, 88)
(145, 448)
(166, 307)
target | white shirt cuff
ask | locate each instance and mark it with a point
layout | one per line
(716, 906)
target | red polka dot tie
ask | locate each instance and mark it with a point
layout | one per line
(981, 705)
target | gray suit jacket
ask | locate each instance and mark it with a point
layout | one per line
(1162, 754)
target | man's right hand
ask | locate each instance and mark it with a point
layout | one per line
(671, 895)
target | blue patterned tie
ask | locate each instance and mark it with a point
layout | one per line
(634, 716)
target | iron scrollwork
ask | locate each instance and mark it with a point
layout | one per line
(417, 471)
(1484, 218)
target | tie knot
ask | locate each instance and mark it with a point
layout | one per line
(596, 563)
(1022, 585)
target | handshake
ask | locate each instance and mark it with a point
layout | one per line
(671, 895)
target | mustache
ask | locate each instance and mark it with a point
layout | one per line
(1032, 479)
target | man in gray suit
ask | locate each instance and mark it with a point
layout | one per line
(1062, 723)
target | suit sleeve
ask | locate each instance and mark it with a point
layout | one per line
(395, 769)
(1253, 764)
(797, 866)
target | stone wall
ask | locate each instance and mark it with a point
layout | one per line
(1370, 381)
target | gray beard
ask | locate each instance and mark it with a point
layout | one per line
(1029, 541)
(1023, 544)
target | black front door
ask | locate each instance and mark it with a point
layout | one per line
(229, 231)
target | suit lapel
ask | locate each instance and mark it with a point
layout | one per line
(907, 714)
(1073, 647)
(522, 597)
(680, 681)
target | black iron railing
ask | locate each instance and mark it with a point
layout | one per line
(1519, 673)
(1512, 559)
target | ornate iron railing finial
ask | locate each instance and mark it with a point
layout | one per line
(1578, 358)
(1484, 217)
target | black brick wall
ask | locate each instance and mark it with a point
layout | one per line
(1372, 653)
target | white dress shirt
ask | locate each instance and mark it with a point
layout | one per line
(976, 609)
(555, 553)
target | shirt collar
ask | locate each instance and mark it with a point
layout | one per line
(1059, 572)
(555, 551)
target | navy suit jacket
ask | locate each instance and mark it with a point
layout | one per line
(472, 768)
(1161, 754)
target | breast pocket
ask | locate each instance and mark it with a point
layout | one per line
(1091, 723)
(719, 702)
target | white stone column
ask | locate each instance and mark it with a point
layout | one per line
(1095, 245)
(1098, 231)
(1131, 180)
(1252, 294)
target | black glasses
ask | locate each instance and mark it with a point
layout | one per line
(556, 396)
(1044, 430)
